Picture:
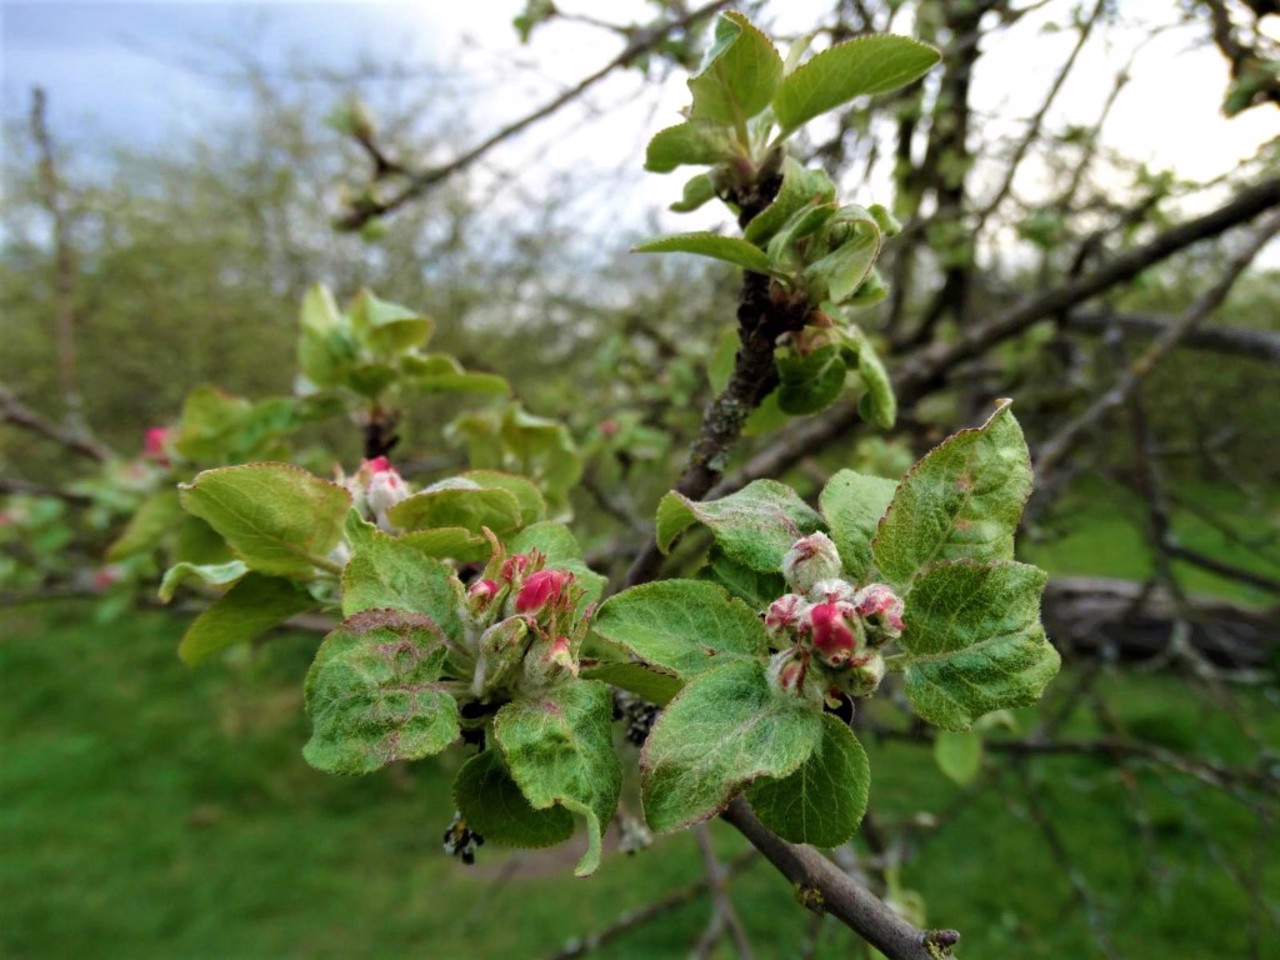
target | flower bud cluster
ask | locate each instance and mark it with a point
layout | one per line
(521, 624)
(830, 632)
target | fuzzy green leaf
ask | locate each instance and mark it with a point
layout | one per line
(853, 504)
(755, 526)
(650, 683)
(469, 506)
(837, 275)
(961, 502)
(694, 142)
(866, 65)
(559, 749)
(878, 405)
(739, 74)
(393, 573)
(752, 587)
(726, 729)
(374, 693)
(212, 574)
(800, 188)
(822, 803)
(149, 525)
(697, 191)
(277, 518)
(973, 641)
(491, 803)
(388, 327)
(686, 626)
(249, 609)
(532, 507)
(958, 755)
(810, 383)
(730, 249)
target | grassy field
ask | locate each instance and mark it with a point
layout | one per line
(151, 811)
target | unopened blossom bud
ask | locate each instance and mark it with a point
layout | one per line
(785, 612)
(106, 577)
(881, 609)
(829, 591)
(385, 489)
(540, 589)
(501, 648)
(609, 427)
(481, 593)
(835, 632)
(513, 567)
(548, 664)
(864, 677)
(810, 559)
(155, 443)
(789, 674)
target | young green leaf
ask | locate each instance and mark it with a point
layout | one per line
(694, 142)
(654, 685)
(686, 626)
(958, 755)
(739, 74)
(726, 729)
(879, 405)
(752, 587)
(277, 518)
(867, 65)
(158, 516)
(491, 803)
(532, 507)
(388, 327)
(837, 275)
(973, 641)
(823, 802)
(810, 383)
(755, 526)
(697, 191)
(254, 605)
(730, 249)
(393, 573)
(469, 506)
(325, 345)
(853, 504)
(374, 693)
(800, 187)
(559, 749)
(962, 501)
(212, 574)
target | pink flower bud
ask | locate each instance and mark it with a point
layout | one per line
(553, 662)
(378, 465)
(832, 590)
(608, 427)
(154, 443)
(540, 589)
(785, 612)
(484, 590)
(106, 577)
(865, 676)
(386, 488)
(513, 567)
(789, 674)
(811, 559)
(882, 609)
(833, 628)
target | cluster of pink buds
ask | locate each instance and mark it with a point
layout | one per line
(522, 622)
(375, 488)
(830, 623)
(155, 445)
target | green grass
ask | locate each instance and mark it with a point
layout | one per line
(1102, 535)
(151, 811)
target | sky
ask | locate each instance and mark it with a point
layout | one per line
(139, 72)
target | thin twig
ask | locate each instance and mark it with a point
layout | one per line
(19, 415)
(724, 916)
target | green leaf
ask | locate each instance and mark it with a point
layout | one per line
(374, 693)
(810, 383)
(532, 507)
(694, 142)
(559, 749)
(650, 683)
(837, 275)
(148, 527)
(697, 191)
(325, 345)
(878, 404)
(973, 641)
(214, 575)
(766, 418)
(959, 755)
(739, 74)
(277, 518)
(452, 543)
(471, 507)
(822, 803)
(726, 729)
(858, 67)
(752, 587)
(853, 504)
(491, 803)
(686, 626)
(800, 188)
(962, 501)
(784, 247)
(467, 382)
(393, 573)
(388, 328)
(730, 249)
(210, 420)
(755, 526)
(249, 609)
